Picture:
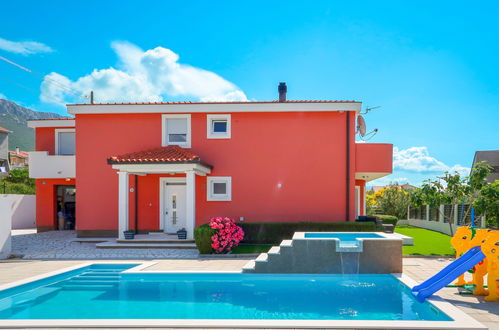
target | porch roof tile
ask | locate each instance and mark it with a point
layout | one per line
(162, 155)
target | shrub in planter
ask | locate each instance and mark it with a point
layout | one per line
(227, 234)
(387, 219)
(202, 236)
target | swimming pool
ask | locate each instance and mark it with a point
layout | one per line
(346, 239)
(104, 292)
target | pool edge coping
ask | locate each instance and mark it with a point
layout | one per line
(461, 320)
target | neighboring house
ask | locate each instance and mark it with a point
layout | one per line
(404, 186)
(4, 150)
(18, 159)
(491, 157)
(173, 165)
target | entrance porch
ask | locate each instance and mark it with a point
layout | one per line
(177, 194)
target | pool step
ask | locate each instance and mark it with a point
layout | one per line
(134, 245)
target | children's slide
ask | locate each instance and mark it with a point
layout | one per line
(448, 274)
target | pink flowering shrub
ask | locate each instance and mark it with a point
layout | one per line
(227, 234)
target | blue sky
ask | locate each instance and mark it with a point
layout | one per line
(431, 66)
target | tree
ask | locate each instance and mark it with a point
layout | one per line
(452, 189)
(391, 200)
(18, 182)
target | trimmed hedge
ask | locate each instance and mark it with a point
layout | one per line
(202, 236)
(275, 232)
(387, 219)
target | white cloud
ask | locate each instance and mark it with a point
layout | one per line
(415, 165)
(143, 76)
(24, 47)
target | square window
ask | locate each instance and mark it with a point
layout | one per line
(219, 188)
(177, 130)
(218, 127)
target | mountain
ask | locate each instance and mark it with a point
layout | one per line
(14, 117)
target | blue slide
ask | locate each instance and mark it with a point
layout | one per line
(448, 274)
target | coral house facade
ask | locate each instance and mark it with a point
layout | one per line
(170, 166)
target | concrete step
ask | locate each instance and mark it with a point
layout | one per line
(286, 243)
(274, 250)
(263, 257)
(249, 267)
(134, 245)
(153, 241)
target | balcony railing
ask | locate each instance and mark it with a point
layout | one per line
(45, 166)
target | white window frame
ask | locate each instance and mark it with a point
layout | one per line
(210, 180)
(56, 136)
(209, 125)
(164, 138)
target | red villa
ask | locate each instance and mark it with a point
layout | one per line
(172, 165)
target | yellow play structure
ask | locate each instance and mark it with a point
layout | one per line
(467, 238)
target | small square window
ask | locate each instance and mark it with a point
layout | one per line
(218, 127)
(219, 188)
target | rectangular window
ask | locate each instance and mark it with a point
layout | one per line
(219, 188)
(177, 130)
(65, 141)
(218, 127)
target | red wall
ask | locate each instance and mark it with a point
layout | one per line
(45, 139)
(374, 157)
(305, 152)
(45, 201)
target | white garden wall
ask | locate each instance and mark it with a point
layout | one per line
(441, 227)
(23, 211)
(5, 225)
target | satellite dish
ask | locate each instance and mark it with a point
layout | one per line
(361, 125)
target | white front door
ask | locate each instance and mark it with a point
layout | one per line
(174, 217)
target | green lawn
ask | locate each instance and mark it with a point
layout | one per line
(251, 248)
(426, 242)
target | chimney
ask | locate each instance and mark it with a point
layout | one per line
(282, 91)
(17, 150)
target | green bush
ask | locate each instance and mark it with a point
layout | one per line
(202, 236)
(275, 232)
(387, 219)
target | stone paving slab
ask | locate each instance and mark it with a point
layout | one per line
(62, 245)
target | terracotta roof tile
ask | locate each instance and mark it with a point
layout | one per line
(22, 154)
(162, 155)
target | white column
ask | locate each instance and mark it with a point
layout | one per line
(123, 187)
(190, 201)
(456, 216)
(427, 213)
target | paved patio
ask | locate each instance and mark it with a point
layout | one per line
(417, 268)
(61, 245)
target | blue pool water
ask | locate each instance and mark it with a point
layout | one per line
(346, 239)
(101, 292)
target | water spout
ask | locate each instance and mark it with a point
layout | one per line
(349, 262)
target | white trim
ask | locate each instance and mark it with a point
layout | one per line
(213, 135)
(123, 208)
(190, 203)
(369, 176)
(364, 205)
(214, 107)
(209, 188)
(163, 168)
(56, 136)
(162, 187)
(51, 123)
(164, 139)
